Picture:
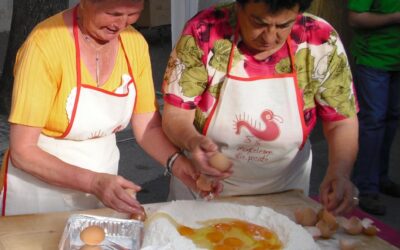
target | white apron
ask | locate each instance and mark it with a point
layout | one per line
(258, 123)
(89, 142)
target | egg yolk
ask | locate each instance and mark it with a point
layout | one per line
(215, 236)
(232, 234)
(186, 231)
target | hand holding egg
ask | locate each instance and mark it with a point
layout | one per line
(136, 216)
(218, 161)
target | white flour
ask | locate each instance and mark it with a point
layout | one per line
(160, 234)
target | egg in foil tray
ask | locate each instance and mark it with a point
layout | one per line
(87, 232)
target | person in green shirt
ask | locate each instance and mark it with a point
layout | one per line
(376, 51)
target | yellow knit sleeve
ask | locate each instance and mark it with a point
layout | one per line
(34, 87)
(138, 51)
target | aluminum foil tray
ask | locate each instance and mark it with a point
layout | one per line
(120, 233)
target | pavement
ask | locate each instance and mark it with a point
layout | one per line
(4, 131)
(137, 166)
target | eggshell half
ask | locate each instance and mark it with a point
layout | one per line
(204, 183)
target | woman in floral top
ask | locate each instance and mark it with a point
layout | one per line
(249, 79)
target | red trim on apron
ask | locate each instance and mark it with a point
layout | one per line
(105, 91)
(4, 201)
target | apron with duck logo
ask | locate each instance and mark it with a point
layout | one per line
(258, 123)
(95, 115)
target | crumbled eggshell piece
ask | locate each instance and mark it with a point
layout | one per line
(368, 227)
(371, 230)
(353, 226)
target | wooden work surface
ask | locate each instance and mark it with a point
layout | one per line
(43, 231)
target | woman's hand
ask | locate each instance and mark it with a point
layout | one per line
(189, 175)
(111, 190)
(338, 194)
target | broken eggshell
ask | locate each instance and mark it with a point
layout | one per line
(204, 183)
(136, 216)
(352, 226)
(368, 227)
(328, 218)
(370, 230)
(325, 229)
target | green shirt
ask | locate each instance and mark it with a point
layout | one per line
(379, 47)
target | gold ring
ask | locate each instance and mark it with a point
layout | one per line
(356, 200)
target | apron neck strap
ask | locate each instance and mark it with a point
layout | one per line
(77, 49)
(126, 58)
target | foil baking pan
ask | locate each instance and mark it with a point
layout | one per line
(121, 234)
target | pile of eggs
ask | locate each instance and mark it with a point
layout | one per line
(324, 224)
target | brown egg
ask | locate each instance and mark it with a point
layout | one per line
(204, 183)
(92, 235)
(220, 161)
(353, 226)
(306, 216)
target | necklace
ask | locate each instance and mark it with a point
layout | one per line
(97, 56)
(97, 50)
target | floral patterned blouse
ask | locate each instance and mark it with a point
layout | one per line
(198, 66)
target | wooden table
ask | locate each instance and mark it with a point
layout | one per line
(43, 231)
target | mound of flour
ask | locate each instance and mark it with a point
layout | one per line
(161, 234)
